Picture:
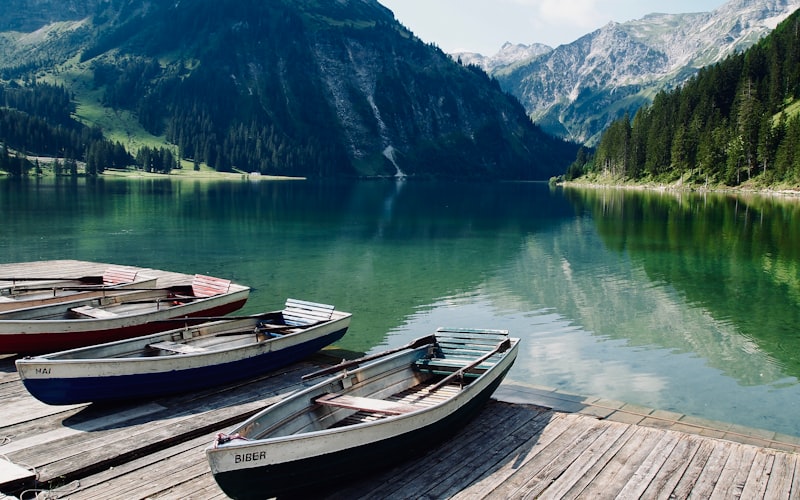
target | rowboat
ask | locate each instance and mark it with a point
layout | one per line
(184, 359)
(373, 413)
(17, 293)
(67, 325)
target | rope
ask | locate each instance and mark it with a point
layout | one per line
(53, 493)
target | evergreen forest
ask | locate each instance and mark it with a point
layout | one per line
(36, 121)
(737, 121)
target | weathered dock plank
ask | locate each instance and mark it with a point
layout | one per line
(584, 469)
(674, 467)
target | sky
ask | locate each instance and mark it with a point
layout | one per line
(485, 25)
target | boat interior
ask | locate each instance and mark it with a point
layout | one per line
(403, 383)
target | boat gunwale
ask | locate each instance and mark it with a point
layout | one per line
(476, 385)
(258, 347)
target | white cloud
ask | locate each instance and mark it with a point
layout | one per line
(583, 13)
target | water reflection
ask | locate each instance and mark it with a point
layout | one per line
(686, 303)
(736, 259)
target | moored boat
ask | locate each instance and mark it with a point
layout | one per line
(18, 293)
(96, 320)
(184, 359)
(368, 416)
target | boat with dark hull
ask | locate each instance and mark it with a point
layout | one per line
(18, 293)
(83, 322)
(185, 359)
(373, 413)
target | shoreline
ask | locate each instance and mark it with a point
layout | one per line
(785, 193)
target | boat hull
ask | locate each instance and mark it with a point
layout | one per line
(160, 377)
(313, 476)
(37, 337)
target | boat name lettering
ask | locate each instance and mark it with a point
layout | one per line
(43, 371)
(250, 457)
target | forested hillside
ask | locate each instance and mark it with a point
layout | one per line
(36, 120)
(735, 122)
(300, 87)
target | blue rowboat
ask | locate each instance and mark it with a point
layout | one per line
(184, 359)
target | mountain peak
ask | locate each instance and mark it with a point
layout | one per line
(577, 89)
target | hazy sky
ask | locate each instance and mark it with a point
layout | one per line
(484, 25)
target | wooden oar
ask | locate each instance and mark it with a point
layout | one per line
(501, 347)
(86, 288)
(208, 318)
(48, 278)
(355, 362)
(179, 298)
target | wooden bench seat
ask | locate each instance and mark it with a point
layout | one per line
(119, 276)
(208, 286)
(300, 312)
(176, 347)
(93, 312)
(442, 366)
(365, 404)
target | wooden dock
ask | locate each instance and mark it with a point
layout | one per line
(532, 443)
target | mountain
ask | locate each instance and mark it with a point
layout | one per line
(285, 87)
(735, 122)
(576, 90)
(508, 55)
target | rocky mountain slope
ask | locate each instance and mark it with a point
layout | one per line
(290, 87)
(577, 89)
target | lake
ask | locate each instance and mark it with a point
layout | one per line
(681, 302)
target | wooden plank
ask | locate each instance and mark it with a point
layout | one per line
(207, 286)
(647, 471)
(119, 275)
(176, 347)
(795, 491)
(92, 312)
(673, 469)
(615, 475)
(734, 473)
(56, 433)
(365, 404)
(589, 463)
(185, 417)
(447, 366)
(557, 468)
(781, 477)
(704, 470)
(473, 333)
(13, 476)
(445, 469)
(541, 454)
(526, 447)
(479, 443)
(756, 484)
(301, 312)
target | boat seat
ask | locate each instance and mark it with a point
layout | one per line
(208, 286)
(119, 276)
(302, 313)
(365, 404)
(176, 347)
(93, 312)
(442, 366)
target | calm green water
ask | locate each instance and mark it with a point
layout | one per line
(685, 303)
